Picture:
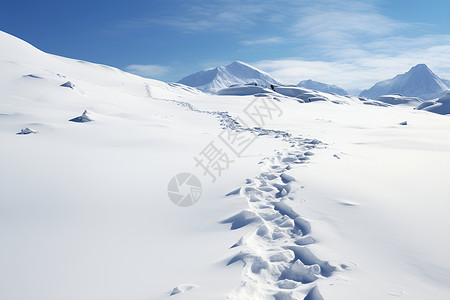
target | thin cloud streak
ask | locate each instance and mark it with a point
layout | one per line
(348, 20)
(148, 70)
(219, 16)
(263, 41)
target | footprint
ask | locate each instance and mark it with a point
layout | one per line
(242, 219)
(313, 294)
(305, 255)
(182, 288)
(259, 264)
(300, 273)
(234, 192)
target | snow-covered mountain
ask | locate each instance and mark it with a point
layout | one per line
(419, 81)
(222, 77)
(322, 87)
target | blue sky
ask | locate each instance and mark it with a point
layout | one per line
(349, 43)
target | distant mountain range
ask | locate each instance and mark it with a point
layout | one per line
(419, 81)
(238, 72)
(222, 77)
(322, 87)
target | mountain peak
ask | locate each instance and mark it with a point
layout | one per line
(240, 64)
(420, 68)
(419, 81)
(222, 77)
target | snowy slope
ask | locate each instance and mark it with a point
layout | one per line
(85, 211)
(322, 87)
(334, 200)
(419, 81)
(222, 77)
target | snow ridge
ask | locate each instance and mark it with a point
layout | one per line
(322, 87)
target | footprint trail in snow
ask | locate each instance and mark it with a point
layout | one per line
(277, 261)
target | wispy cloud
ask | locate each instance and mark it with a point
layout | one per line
(345, 42)
(220, 15)
(229, 15)
(263, 41)
(355, 46)
(152, 71)
(364, 69)
(336, 21)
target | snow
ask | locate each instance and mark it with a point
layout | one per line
(243, 90)
(438, 106)
(82, 119)
(26, 131)
(68, 84)
(286, 220)
(322, 87)
(397, 99)
(300, 94)
(419, 81)
(222, 77)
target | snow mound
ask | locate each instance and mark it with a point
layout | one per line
(81, 119)
(182, 288)
(26, 131)
(396, 99)
(222, 77)
(322, 87)
(307, 95)
(419, 81)
(68, 84)
(366, 101)
(292, 92)
(243, 90)
(440, 106)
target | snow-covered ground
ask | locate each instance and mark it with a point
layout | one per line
(333, 199)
